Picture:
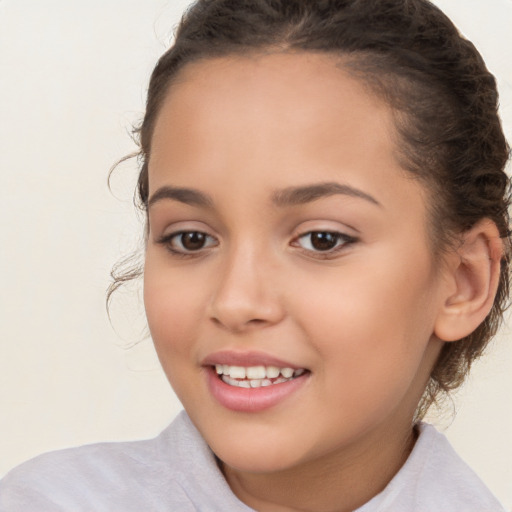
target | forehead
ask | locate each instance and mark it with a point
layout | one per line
(272, 121)
(267, 75)
(307, 84)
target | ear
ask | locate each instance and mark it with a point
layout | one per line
(473, 274)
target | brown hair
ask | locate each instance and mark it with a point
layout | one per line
(443, 97)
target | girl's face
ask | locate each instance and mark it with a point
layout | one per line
(284, 234)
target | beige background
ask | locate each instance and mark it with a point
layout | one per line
(72, 80)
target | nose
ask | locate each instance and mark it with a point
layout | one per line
(246, 295)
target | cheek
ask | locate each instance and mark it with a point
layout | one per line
(172, 308)
(372, 321)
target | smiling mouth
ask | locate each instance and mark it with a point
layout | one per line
(256, 376)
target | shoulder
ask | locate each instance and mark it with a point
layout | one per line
(446, 474)
(107, 476)
(174, 471)
(434, 478)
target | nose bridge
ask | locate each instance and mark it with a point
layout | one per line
(245, 294)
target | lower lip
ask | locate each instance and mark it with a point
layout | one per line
(252, 399)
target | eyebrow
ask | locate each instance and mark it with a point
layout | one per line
(290, 196)
(300, 195)
(183, 195)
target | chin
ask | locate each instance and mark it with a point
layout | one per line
(256, 448)
(257, 462)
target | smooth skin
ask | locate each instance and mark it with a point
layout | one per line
(366, 317)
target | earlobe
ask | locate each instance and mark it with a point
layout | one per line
(474, 273)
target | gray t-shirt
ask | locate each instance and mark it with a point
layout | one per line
(177, 471)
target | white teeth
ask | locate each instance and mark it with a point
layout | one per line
(252, 383)
(256, 372)
(237, 372)
(273, 372)
(286, 372)
(256, 376)
(228, 380)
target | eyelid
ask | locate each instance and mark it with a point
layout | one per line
(167, 228)
(166, 241)
(346, 241)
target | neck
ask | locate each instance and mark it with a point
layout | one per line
(340, 482)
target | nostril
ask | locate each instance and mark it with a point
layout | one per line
(241, 325)
(238, 312)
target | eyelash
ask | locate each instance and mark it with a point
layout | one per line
(341, 240)
(167, 242)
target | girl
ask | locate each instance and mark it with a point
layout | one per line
(326, 254)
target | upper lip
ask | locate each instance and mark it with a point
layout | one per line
(248, 358)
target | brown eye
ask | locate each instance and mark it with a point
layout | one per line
(186, 242)
(323, 241)
(192, 241)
